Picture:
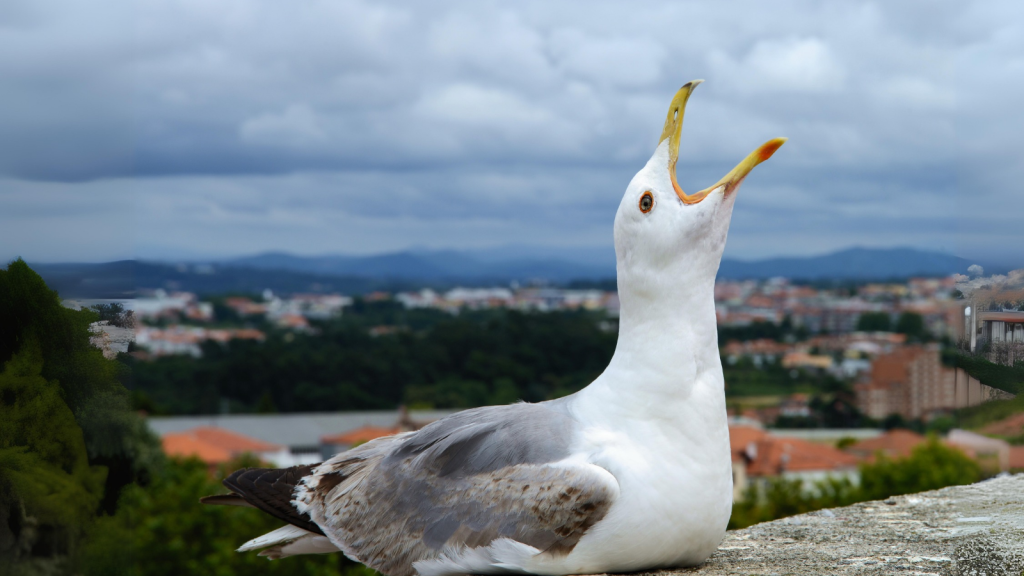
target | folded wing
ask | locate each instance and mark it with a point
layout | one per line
(479, 491)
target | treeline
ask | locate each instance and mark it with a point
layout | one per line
(423, 358)
(909, 323)
(431, 359)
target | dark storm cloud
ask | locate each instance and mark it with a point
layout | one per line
(365, 126)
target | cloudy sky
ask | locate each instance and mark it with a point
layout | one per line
(190, 129)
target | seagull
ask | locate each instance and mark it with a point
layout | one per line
(631, 473)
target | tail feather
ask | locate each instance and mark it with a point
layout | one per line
(308, 544)
(283, 535)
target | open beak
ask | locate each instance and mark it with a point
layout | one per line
(673, 129)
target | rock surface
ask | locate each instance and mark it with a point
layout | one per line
(962, 530)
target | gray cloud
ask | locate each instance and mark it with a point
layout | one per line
(366, 126)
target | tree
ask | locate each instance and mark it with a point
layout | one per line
(912, 324)
(45, 476)
(115, 314)
(874, 322)
(68, 439)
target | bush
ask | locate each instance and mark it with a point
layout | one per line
(930, 466)
(163, 530)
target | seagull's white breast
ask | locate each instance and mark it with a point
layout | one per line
(675, 485)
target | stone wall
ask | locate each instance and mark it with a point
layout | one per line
(961, 530)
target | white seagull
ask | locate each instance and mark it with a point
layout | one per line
(630, 473)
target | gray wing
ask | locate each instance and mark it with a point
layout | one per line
(463, 481)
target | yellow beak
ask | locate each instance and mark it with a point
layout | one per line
(674, 128)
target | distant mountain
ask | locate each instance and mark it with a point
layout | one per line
(557, 265)
(111, 280)
(560, 265)
(852, 264)
(287, 273)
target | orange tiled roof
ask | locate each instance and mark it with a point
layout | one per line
(1010, 426)
(740, 437)
(231, 441)
(896, 443)
(186, 445)
(212, 445)
(364, 434)
(777, 455)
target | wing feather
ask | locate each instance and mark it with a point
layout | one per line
(465, 482)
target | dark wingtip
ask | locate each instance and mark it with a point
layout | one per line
(271, 490)
(232, 480)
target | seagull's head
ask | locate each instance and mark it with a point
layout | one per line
(668, 243)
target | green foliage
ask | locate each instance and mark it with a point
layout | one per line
(930, 466)
(744, 378)
(68, 439)
(31, 311)
(1007, 378)
(781, 497)
(162, 530)
(89, 383)
(473, 359)
(759, 329)
(874, 322)
(940, 425)
(44, 467)
(828, 411)
(992, 411)
(845, 442)
(912, 324)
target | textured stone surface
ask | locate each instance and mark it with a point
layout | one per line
(961, 530)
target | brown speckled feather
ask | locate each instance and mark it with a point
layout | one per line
(462, 482)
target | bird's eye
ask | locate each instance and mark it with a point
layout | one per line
(646, 202)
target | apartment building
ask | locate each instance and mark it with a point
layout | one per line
(912, 382)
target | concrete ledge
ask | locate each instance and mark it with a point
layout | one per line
(976, 529)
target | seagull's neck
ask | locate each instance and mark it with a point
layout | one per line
(666, 358)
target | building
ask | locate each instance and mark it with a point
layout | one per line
(991, 453)
(1002, 326)
(111, 340)
(216, 446)
(991, 326)
(180, 339)
(805, 360)
(897, 443)
(912, 382)
(758, 455)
